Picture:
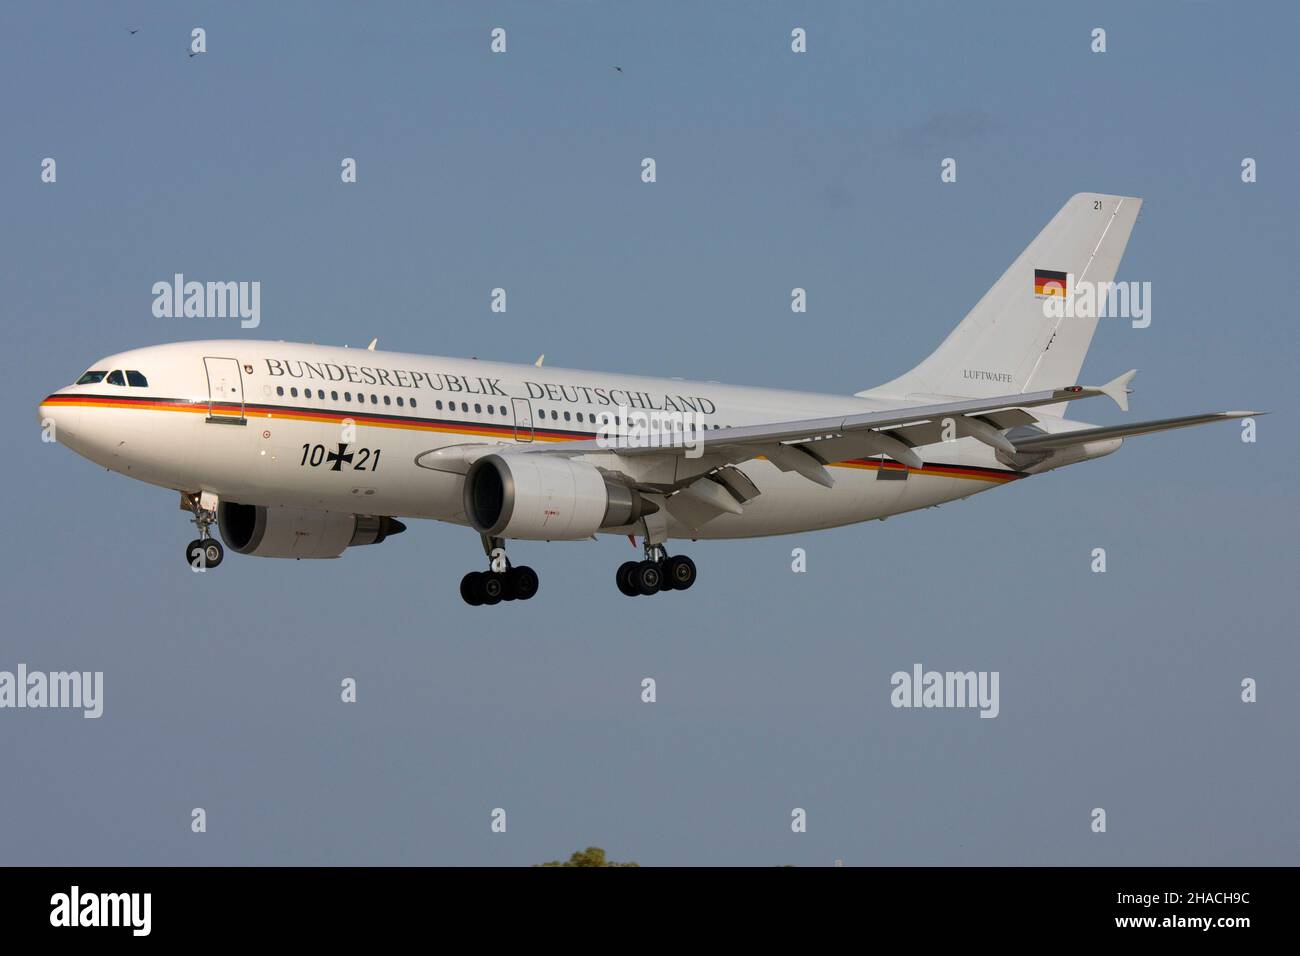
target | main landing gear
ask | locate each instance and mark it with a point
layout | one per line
(658, 572)
(501, 582)
(205, 552)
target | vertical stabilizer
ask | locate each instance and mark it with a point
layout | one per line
(1008, 342)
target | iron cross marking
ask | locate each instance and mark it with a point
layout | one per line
(339, 457)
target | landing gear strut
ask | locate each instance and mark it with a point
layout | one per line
(204, 552)
(501, 582)
(658, 572)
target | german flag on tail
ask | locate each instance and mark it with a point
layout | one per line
(1050, 282)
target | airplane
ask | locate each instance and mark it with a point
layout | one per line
(304, 451)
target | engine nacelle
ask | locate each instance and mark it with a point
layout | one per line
(546, 498)
(298, 532)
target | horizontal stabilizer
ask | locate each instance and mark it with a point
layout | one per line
(1066, 439)
(1117, 389)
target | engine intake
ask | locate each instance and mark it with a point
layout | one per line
(547, 498)
(299, 532)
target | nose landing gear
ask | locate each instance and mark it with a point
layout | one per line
(658, 572)
(501, 582)
(205, 552)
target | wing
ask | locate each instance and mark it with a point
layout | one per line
(677, 459)
(908, 426)
(696, 473)
(806, 445)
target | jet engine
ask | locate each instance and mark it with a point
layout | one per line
(299, 532)
(547, 498)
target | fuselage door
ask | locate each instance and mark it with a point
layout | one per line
(523, 419)
(225, 391)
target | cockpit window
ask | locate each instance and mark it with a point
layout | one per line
(115, 378)
(91, 378)
(135, 379)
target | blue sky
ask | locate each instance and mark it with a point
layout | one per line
(775, 170)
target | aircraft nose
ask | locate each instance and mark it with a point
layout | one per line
(58, 418)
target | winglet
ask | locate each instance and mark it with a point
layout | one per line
(1118, 390)
(371, 346)
(540, 359)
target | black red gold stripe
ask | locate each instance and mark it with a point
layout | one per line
(1050, 282)
(449, 426)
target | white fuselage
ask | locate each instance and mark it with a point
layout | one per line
(266, 423)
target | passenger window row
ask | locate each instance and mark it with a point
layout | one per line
(593, 418)
(402, 402)
(478, 408)
(347, 396)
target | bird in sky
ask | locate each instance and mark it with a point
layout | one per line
(132, 32)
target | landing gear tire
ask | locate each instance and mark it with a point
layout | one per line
(470, 588)
(521, 583)
(655, 574)
(205, 553)
(624, 578)
(492, 587)
(679, 572)
(648, 577)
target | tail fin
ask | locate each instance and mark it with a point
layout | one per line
(1007, 342)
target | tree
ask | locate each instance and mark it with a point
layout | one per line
(592, 856)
